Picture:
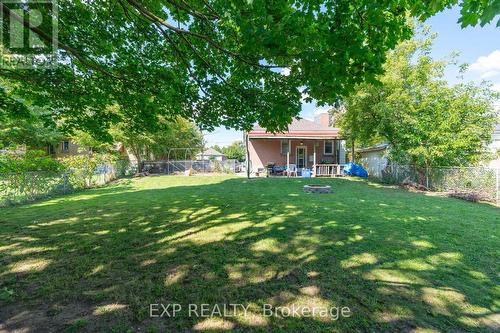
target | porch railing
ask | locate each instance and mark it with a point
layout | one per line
(328, 170)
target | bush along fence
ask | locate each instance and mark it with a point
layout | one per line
(474, 183)
(21, 186)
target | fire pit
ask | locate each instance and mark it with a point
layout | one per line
(317, 188)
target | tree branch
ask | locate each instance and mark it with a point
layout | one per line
(180, 56)
(153, 18)
(211, 8)
(191, 11)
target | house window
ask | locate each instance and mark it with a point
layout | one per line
(65, 146)
(284, 147)
(328, 148)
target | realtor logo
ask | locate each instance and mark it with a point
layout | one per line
(28, 34)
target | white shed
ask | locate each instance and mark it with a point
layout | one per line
(374, 159)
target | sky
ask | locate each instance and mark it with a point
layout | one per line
(478, 46)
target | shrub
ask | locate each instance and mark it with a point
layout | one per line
(28, 176)
(123, 167)
(34, 175)
(82, 168)
(32, 160)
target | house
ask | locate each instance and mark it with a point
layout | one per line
(211, 154)
(307, 145)
(67, 148)
(64, 148)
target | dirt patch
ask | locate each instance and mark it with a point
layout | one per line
(18, 318)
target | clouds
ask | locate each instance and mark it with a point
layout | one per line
(311, 110)
(489, 74)
(488, 66)
(322, 109)
(285, 71)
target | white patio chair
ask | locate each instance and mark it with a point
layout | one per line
(291, 170)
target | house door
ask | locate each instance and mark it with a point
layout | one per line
(301, 157)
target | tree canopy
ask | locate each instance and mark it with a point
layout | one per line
(424, 119)
(157, 145)
(215, 62)
(22, 123)
(236, 150)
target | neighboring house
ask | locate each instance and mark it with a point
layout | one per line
(67, 148)
(307, 144)
(374, 159)
(64, 148)
(211, 154)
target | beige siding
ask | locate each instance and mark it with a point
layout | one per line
(73, 149)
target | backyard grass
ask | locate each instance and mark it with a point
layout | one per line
(94, 261)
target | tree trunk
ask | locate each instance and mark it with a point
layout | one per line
(137, 152)
(353, 160)
(421, 175)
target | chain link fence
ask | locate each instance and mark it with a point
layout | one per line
(197, 166)
(481, 180)
(16, 188)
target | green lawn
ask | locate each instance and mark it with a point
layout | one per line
(400, 261)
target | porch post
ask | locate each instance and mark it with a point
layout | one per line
(248, 164)
(288, 159)
(314, 159)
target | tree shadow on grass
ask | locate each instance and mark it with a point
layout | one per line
(399, 261)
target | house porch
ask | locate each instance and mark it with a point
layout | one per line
(322, 156)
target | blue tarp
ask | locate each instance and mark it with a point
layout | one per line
(353, 169)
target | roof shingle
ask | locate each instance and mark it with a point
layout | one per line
(298, 127)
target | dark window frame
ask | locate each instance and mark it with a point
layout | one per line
(332, 147)
(65, 146)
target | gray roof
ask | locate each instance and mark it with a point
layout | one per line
(211, 152)
(301, 125)
(377, 147)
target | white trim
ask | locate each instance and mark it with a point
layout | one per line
(297, 155)
(324, 147)
(314, 161)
